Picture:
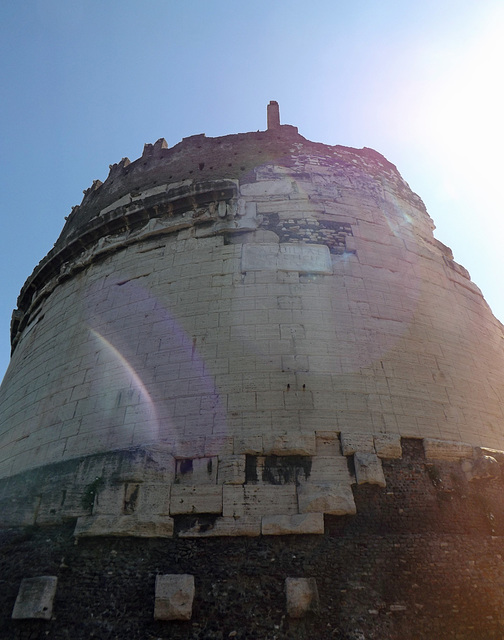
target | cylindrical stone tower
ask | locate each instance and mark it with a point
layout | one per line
(238, 336)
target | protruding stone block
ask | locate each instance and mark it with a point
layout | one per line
(252, 445)
(153, 500)
(196, 471)
(255, 501)
(326, 498)
(231, 470)
(159, 463)
(329, 470)
(202, 528)
(368, 469)
(302, 596)
(352, 442)
(388, 445)
(154, 463)
(197, 499)
(293, 524)
(309, 258)
(35, 598)
(174, 597)
(147, 527)
(446, 450)
(327, 443)
(109, 500)
(289, 444)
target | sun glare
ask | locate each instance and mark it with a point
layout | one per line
(462, 119)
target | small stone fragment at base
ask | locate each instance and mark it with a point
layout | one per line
(174, 597)
(302, 596)
(35, 598)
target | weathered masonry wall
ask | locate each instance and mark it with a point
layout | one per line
(147, 492)
(234, 340)
(310, 299)
(423, 553)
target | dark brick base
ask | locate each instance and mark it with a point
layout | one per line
(422, 559)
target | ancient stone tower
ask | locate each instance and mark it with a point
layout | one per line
(249, 374)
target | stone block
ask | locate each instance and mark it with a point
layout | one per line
(352, 442)
(159, 463)
(289, 444)
(126, 466)
(130, 526)
(388, 445)
(267, 188)
(35, 598)
(368, 469)
(218, 445)
(174, 595)
(327, 443)
(335, 499)
(231, 470)
(153, 500)
(56, 506)
(190, 447)
(196, 471)
(255, 501)
(306, 258)
(202, 528)
(301, 595)
(278, 525)
(446, 450)
(252, 445)
(329, 470)
(196, 499)
(109, 500)
(19, 512)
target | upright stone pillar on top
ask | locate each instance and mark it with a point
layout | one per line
(273, 115)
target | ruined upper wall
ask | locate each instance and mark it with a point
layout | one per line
(230, 157)
(203, 162)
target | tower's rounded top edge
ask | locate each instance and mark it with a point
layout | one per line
(234, 156)
(200, 159)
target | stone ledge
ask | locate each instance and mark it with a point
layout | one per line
(223, 526)
(293, 524)
(446, 450)
(95, 526)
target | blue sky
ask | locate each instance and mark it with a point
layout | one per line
(87, 82)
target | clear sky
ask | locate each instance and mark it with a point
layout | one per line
(87, 82)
